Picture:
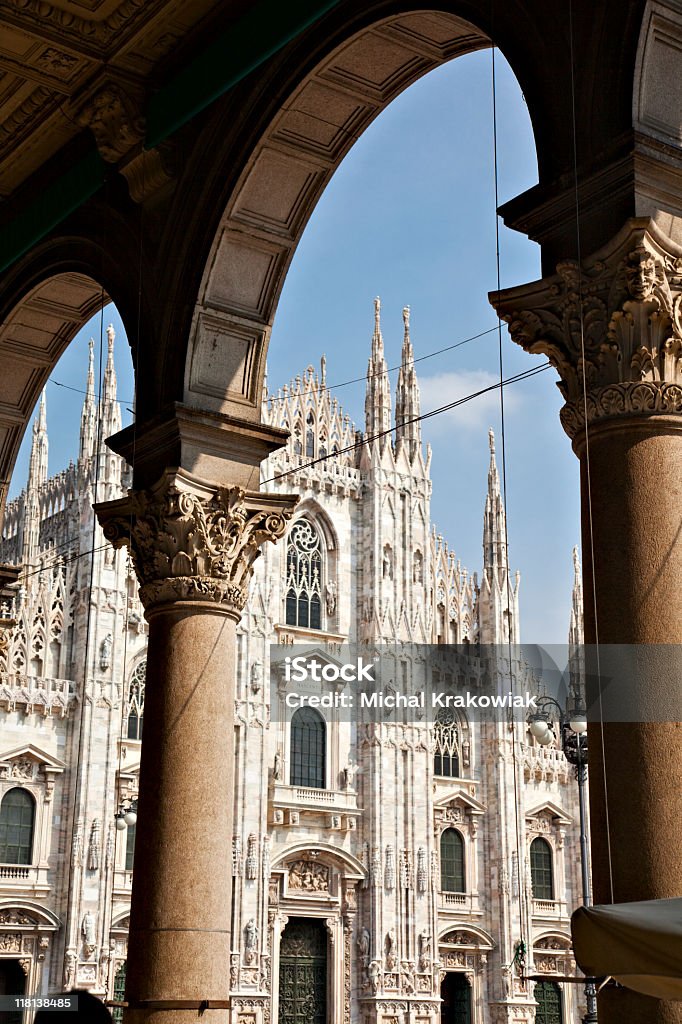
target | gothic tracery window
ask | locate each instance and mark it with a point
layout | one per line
(136, 701)
(452, 861)
(304, 576)
(308, 749)
(447, 751)
(541, 873)
(17, 820)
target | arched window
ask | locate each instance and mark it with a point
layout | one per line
(452, 861)
(548, 997)
(136, 701)
(541, 869)
(17, 818)
(308, 749)
(446, 736)
(304, 576)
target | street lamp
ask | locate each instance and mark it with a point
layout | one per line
(573, 728)
(126, 816)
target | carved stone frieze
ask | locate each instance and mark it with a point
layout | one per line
(307, 876)
(194, 542)
(612, 329)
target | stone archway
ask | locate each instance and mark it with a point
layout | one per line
(286, 174)
(33, 336)
(26, 933)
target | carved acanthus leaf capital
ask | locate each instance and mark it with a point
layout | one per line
(193, 542)
(613, 330)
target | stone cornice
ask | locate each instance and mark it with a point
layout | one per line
(612, 329)
(191, 541)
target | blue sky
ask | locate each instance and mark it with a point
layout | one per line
(410, 216)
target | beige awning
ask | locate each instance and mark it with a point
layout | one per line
(638, 944)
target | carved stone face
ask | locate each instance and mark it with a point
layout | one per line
(641, 273)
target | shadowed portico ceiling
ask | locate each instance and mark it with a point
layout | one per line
(55, 57)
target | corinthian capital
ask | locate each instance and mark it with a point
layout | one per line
(191, 541)
(612, 328)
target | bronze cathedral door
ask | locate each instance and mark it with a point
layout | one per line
(303, 972)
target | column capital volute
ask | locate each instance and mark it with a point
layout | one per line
(622, 307)
(193, 541)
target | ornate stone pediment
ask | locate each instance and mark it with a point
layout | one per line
(546, 817)
(31, 764)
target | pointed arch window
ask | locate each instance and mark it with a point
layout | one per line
(304, 576)
(17, 821)
(308, 749)
(136, 701)
(541, 872)
(452, 861)
(447, 750)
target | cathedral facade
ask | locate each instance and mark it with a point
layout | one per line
(399, 869)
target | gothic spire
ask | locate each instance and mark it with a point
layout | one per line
(37, 475)
(378, 394)
(408, 428)
(110, 409)
(575, 633)
(576, 651)
(494, 521)
(89, 412)
(38, 464)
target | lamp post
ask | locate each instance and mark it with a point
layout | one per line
(574, 745)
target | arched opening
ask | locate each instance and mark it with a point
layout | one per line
(136, 701)
(12, 983)
(541, 869)
(446, 757)
(308, 749)
(17, 823)
(304, 583)
(300, 150)
(455, 992)
(303, 972)
(452, 876)
(35, 334)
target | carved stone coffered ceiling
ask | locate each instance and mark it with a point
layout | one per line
(56, 55)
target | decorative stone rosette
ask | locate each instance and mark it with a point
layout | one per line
(613, 331)
(193, 542)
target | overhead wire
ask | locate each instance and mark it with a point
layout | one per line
(519, 949)
(340, 384)
(588, 473)
(359, 443)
